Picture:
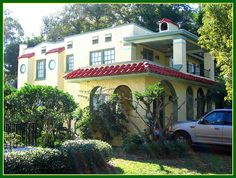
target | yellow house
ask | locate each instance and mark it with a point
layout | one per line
(125, 59)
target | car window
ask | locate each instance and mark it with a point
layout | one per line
(228, 118)
(215, 118)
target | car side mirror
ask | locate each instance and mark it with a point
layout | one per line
(201, 121)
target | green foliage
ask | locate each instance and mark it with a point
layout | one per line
(106, 120)
(165, 149)
(216, 36)
(89, 154)
(132, 143)
(48, 107)
(38, 161)
(74, 156)
(12, 139)
(8, 103)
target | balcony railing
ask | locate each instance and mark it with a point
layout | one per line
(192, 69)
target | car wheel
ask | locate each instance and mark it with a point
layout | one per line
(183, 137)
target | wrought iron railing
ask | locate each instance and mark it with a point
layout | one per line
(27, 132)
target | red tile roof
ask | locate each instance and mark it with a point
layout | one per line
(28, 55)
(169, 21)
(141, 67)
(56, 50)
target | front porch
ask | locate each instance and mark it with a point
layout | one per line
(125, 79)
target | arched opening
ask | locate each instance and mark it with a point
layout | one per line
(209, 100)
(97, 97)
(164, 26)
(189, 104)
(200, 103)
(125, 95)
(170, 97)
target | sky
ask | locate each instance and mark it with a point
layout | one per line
(30, 15)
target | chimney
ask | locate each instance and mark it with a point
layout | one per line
(22, 48)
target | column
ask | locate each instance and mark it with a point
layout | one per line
(179, 55)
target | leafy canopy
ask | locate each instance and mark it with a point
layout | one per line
(216, 36)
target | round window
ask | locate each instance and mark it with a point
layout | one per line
(52, 64)
(22, 68)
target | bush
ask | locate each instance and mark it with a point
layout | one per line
(40, 161)
(89, 154)
(74, 156)
(165, 149)
(132, 143)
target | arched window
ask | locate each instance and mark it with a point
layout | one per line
(200, 103)
(209, 100)
(97, 97)
(164, 26)
(189, 104)
(125, 94)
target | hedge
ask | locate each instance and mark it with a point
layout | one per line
(74, 156)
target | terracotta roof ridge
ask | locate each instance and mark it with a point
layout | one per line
(27, 55)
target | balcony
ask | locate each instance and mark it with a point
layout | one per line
(193, 69)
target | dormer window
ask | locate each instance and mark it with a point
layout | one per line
(108, 37)
(95, 40)
(164, 26)
(43, 50)
(69, 45)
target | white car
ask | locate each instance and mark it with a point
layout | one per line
(213, 128)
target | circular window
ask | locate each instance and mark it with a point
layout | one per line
(52, 64)
(22, 68)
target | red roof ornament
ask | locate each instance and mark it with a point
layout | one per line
(140, 67)
(28, 55)
(56, 50)
(169, 21)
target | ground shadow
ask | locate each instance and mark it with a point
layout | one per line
(202, 160)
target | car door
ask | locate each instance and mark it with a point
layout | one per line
(210, 128)
(227, 129)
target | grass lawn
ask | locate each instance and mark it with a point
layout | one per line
(193, 163)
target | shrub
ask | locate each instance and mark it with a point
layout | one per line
(132, 143)
(36, 161)
(74, 156)
(165, 149)
(106, 119)
(87, 154)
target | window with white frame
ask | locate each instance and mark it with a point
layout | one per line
(69, 45)
(43, 50)
(96, 58)
(106, 56)
(69, 63)
(95, 40)
(41, 69)
(108, 37)
(109, 56)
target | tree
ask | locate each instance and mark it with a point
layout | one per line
(216, 36)
(48, 107)
(13, 32)
(78, 18)
(153, 119)
(13, 36)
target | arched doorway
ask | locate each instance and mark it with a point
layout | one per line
(125, 94)
(97, 97)
(209, 100)
(200, 103)
(189, 104)
(170, 97)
